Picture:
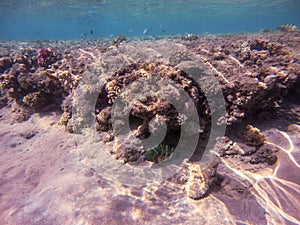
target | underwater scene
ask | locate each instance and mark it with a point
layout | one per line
(150, 112)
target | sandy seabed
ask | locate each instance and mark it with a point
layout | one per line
(47, 178)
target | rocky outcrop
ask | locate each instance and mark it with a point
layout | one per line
(149, 107)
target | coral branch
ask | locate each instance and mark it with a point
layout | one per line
(235, 60)
(218, 73)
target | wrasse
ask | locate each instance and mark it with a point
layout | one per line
(147, 30)
(158, 154)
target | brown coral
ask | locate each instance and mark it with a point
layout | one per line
(149, 107)
(255, 71)
(253, 136)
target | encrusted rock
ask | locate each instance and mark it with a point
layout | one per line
(255, 71)
(265, 154)
(66, 116)
(200, 181)
(103, 119)
(46, 56)
(253, 136)
(5, 63)
(35, 100)
(149, 107)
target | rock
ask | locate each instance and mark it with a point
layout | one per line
(196, 185)
(225, 147)
(89, 172)
(28, 134)
(200, 181)
(5, 63)
(103, 119)
(36, 100)
(246, 149)
(149, 105)
(108, 137)
(70, 126)
(65, 118)
(265, 154)
(3, 101)
(128, 155)
(253, 136)
(46, 56)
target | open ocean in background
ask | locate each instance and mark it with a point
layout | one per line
(67, 19)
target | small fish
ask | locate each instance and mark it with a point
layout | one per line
(146, 31)
(287, 28)
(181, 118)
(162, 28)
(118, 40)
(83, 36)
(158, 154)
(92, 32)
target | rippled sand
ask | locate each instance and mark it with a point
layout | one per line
(57, 186)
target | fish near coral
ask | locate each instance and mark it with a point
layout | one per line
(146, 31)
(83, 36)
(288, 28)
(158, 154)
(118, 40)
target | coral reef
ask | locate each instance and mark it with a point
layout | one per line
(255, 72)
(46, 56)
(27, 88)
(251, 69)
(253, 136)
(252, 149)
(255, 168)
(40, 78)
(149, 107)
(35, 100)
(5, 63)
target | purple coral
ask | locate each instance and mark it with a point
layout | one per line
(46, 57)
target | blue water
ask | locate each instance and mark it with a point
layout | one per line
(66, 19)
